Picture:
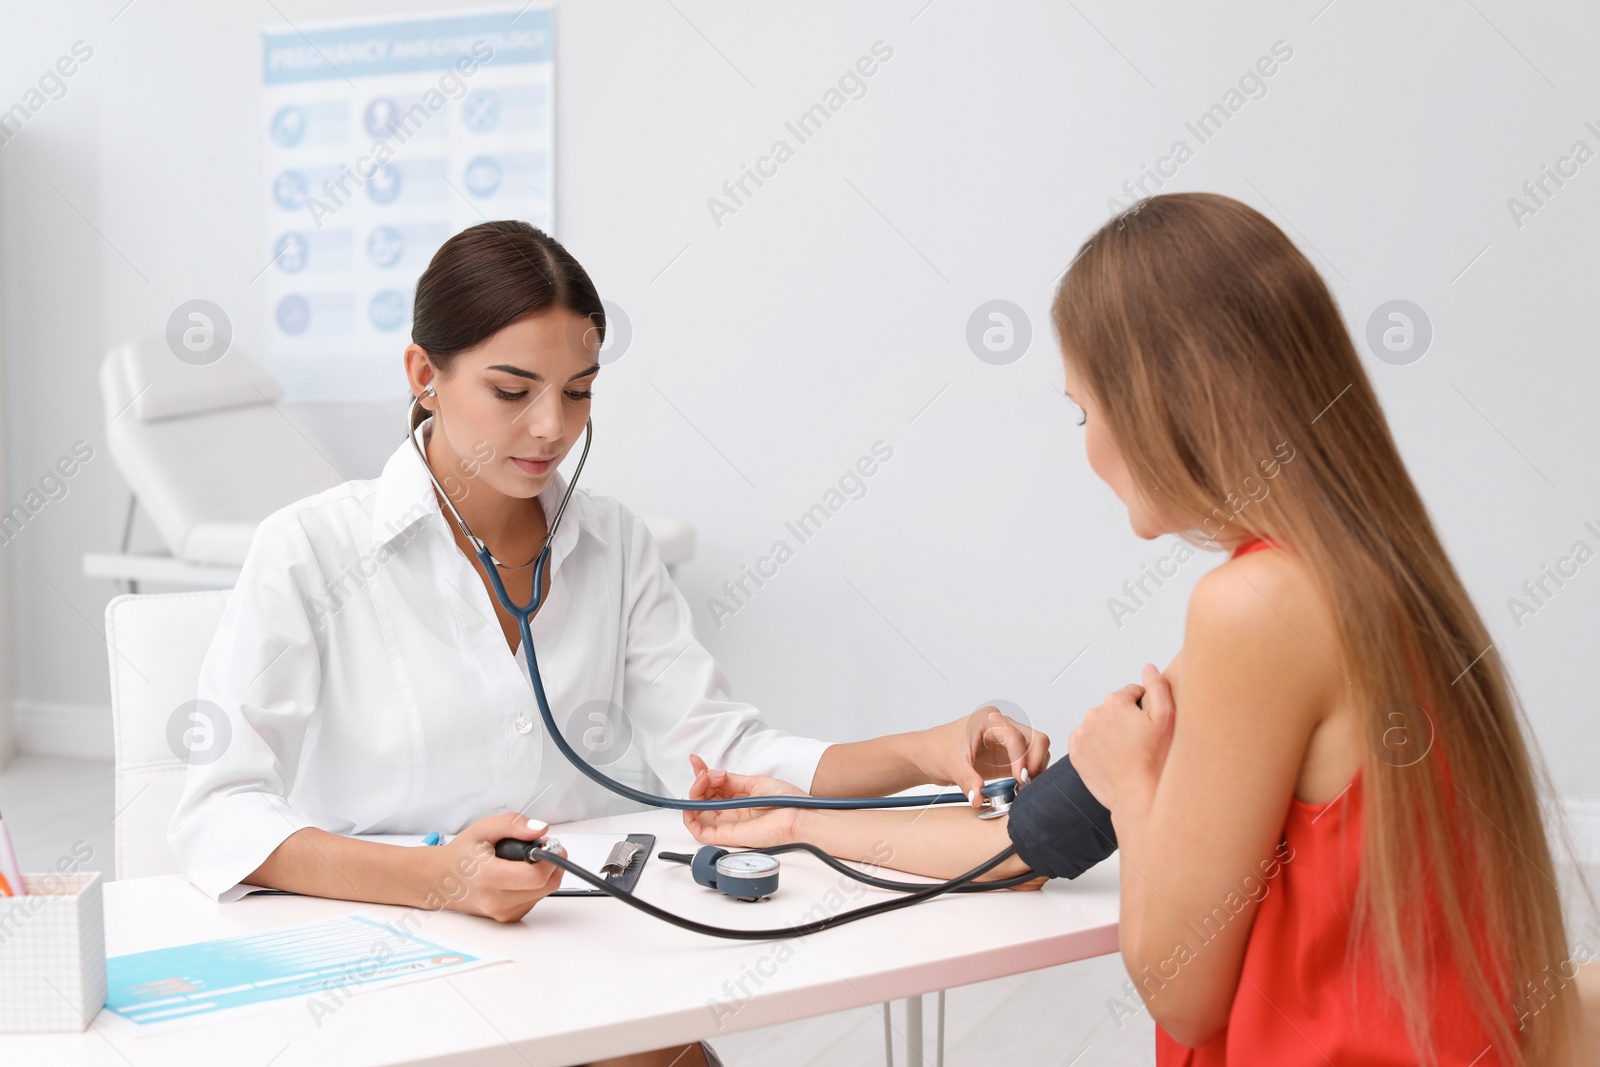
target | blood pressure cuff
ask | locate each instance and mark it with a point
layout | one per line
(1059, 828)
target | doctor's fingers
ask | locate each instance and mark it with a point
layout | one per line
(1036, 759)
(519, 877)
(1015, 737)
(1016, 740)
(492, 828)
(512, 905)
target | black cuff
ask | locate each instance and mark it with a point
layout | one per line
(1059, 828)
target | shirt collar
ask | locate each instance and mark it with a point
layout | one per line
(406, 497)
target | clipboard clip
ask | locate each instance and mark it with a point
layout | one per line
(621, 857)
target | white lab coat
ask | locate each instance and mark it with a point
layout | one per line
(366, 687)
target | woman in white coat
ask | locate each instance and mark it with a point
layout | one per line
(365, 680)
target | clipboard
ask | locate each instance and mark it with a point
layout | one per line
(626, 880)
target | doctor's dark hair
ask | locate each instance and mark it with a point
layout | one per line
(488, 276)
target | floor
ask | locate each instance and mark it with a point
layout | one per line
(1071, 1015)
(1063, 1015)
(50, 804)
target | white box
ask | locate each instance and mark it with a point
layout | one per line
(52, 954)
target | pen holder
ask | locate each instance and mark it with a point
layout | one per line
(52, 954)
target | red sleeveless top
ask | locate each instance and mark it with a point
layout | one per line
(1301, 1002)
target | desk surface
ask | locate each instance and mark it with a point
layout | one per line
(589, 977)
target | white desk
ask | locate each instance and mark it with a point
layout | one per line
(589, 977)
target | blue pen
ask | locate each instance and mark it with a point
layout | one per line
(432, 839)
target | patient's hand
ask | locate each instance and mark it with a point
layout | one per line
(739, 827)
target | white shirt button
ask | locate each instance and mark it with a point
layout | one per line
(523, 724)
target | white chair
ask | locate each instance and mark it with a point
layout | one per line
(156, 643)
(207, 452)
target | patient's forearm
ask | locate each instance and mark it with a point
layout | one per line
(316, 863)
(873, 768)
(939, 842)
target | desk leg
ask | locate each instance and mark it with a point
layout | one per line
(915, 1053)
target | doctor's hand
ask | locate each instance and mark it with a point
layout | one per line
(472, 879)
(985, 744)
(1122, 745)
(739, 827)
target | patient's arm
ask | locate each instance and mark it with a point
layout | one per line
(1058, 827)
(939, 842)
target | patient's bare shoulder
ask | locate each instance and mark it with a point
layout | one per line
(1266, 612)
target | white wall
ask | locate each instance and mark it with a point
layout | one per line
(772, 351)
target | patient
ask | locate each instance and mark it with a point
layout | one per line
(1328, 804)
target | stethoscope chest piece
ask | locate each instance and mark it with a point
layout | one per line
(997, 798)
(740, 875)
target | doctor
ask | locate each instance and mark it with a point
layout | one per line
(368, 681)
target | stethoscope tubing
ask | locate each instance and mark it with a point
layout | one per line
(876, 882)
(535, 854)
(913, 894)
(524, 614)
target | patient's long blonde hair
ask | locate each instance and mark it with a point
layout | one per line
(1207, 339)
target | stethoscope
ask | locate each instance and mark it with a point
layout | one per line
(741, 874)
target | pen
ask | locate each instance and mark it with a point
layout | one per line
(433, 839)
(10, 873)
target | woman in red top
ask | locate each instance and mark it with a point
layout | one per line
(1327, 807)
(1332, 846)
(1297, 1000)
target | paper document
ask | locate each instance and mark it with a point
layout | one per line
(324, 962)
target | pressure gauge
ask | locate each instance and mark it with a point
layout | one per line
(747, 875)
(741, 875)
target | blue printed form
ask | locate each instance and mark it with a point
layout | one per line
(326, 960)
